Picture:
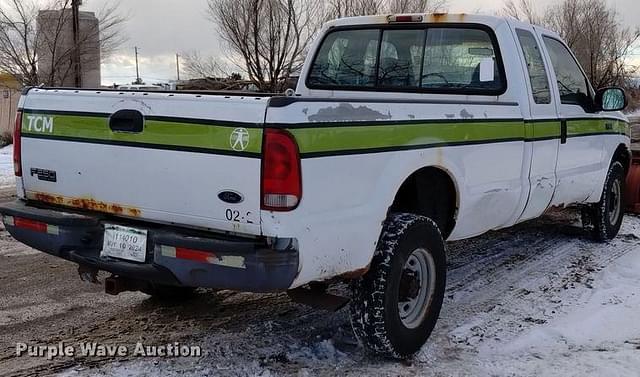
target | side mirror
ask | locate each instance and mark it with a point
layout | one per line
(611, 99)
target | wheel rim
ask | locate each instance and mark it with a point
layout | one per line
(615, 202)
(417, 286)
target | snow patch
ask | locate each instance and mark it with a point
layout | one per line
(7, 177)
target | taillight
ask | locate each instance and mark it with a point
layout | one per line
(281, 175)
(17, 146)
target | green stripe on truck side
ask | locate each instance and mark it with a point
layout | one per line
(323, 140)
(542, 130)
(340, 140)
(156, 133)
(405, 136)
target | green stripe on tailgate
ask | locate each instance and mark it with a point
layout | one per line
(160, 133)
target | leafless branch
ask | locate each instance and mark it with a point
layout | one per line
(416, 6)
(197, 66)
(270, 37)
(44, 56)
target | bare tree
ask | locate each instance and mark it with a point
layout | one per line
(350, 8)
(523, 10)
(197, 66)
(592, 30)
(25, 50)
(416, 6)
(270, 37)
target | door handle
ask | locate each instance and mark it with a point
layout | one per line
(126, 121)
(563, 131)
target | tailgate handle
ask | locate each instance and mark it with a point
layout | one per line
(126, 121)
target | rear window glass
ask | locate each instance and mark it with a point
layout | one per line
(347, 58)
(401, 58)
(451, 60)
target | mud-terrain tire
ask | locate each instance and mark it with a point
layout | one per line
(395, 305)
(168, 292)
(603, 219)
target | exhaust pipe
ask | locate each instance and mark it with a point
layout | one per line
(114, 285)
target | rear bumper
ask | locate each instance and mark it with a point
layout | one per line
(234, 263)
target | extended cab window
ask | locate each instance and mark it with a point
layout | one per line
(453, 57)
(572, 83)
(438, 59)
(535, 66)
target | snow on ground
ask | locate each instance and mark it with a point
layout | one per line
(7, 178)
(540, 299)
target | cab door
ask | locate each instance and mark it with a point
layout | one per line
(580, 152)
(542, 126)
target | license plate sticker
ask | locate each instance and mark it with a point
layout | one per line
(124, 243)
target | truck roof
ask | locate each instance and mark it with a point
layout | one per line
(492, 21)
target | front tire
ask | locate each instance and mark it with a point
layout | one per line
(604, 219)
(395, 306)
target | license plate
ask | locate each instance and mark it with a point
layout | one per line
(124, 243)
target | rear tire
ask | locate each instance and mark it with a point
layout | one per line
(396, 304)
(604, 219)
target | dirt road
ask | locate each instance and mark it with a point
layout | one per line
(501, 286)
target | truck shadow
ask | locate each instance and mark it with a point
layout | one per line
(270, 329)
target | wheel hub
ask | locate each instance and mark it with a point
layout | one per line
(409, 285)
(417, 287)
(615, 202)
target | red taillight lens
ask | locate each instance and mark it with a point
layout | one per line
(17, 146)
(36, 226)
(281, 175)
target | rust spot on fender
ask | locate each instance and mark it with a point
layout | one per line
(355, 273)
(88, 204)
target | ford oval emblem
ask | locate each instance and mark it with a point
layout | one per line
(230, 197)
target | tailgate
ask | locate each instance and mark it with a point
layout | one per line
(183, 159)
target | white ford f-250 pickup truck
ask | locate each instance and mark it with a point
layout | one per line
(404, 131)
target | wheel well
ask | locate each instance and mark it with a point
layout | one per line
(429, 192)
(623, 156)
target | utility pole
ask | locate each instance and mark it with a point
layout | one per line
(138, 81)
(178, 65)
(77, 68)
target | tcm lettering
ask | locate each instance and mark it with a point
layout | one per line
(40, 124)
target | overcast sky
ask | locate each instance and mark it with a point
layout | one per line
(162, 28)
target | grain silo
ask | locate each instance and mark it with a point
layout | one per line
(55, 48)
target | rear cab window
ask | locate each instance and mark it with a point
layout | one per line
(432, 59)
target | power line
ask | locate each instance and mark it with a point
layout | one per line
(75, 11)
(137, 67)
(178, 65)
